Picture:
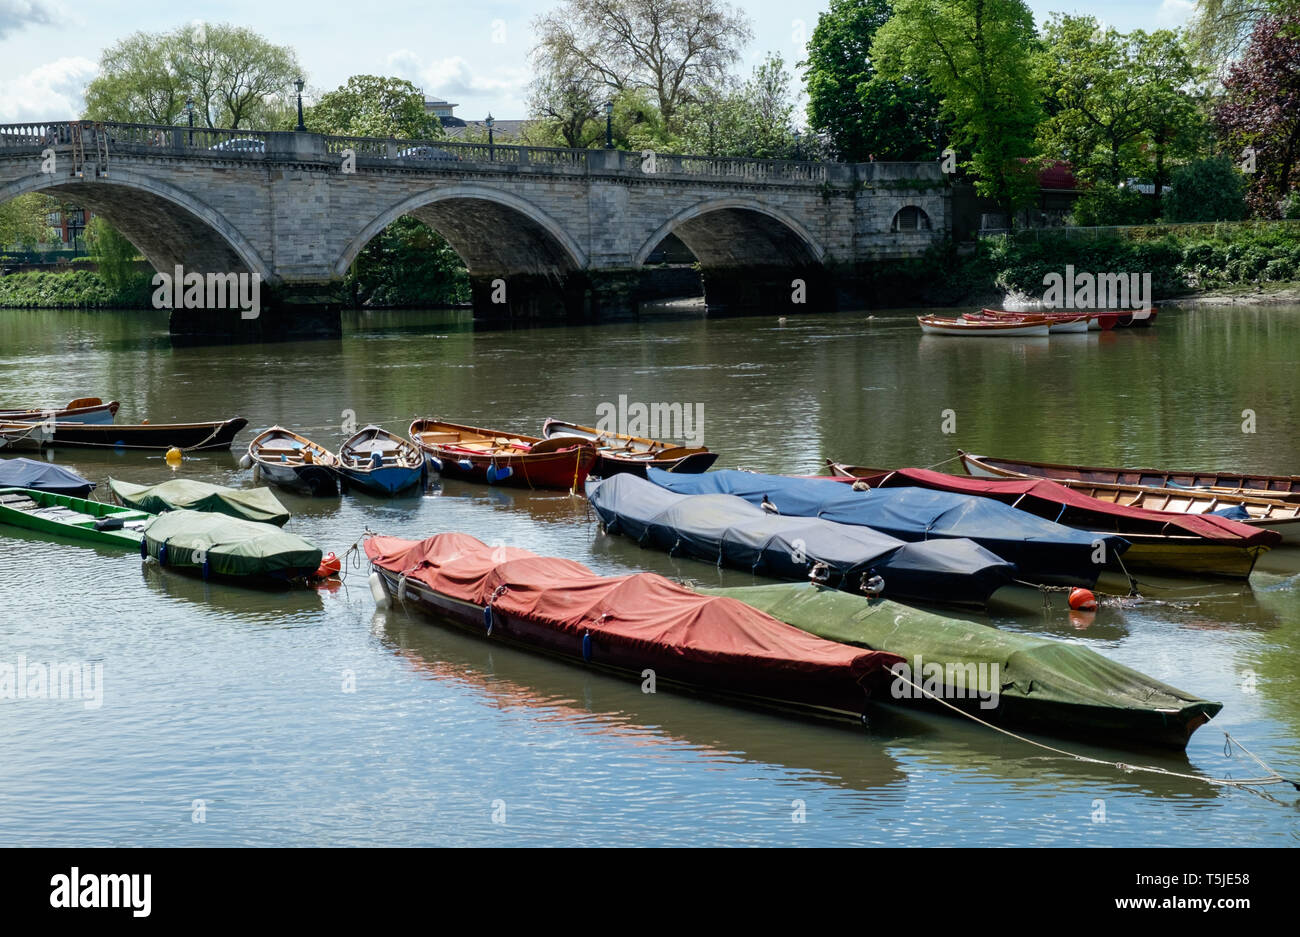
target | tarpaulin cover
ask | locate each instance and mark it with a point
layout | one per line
(43, 476)
(1078, 504)
(233, 546)
(253, 504)
(642, 611)
(1042, 550)
(725, 529)
(1029, 667)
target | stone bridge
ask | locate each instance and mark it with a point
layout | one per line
(545, 233)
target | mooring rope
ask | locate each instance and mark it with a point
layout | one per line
(1272, 778)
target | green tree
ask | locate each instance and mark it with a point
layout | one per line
(407, 264)
(24, 221)
(234, 76)
(1207, 190)
(114, 255)
(756, 120)
(373, 106)
(864, 114)
(977, 56)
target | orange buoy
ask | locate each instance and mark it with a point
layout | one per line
(1083, 600)
(329, 566)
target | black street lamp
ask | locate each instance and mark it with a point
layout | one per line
(189, 111)
(609, 125)
(298, 84)
(491, 148)
(796, 145)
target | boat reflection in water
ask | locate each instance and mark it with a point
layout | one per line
(220, 602)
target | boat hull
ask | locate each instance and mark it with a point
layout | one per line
(195, 437)
(637, 453)
(389, 480)
(315, 480)
(126, 539)
(100, 414)
(563, 468)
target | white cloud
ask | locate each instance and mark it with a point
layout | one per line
(456, 80)
(52, 91)
(1175, 12)
(17, 14)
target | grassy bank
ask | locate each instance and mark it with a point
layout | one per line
(73, 289)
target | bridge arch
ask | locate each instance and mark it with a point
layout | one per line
(168, 225)
(735, 232)
(495, 232)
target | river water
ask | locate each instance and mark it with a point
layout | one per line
(231, 716)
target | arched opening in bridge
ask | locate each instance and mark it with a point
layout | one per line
(750, 258)
(461, 244)
(910, 218)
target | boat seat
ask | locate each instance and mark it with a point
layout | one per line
(439, 438)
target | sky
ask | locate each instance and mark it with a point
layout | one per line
(474, 54)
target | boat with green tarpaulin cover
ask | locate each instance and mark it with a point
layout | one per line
(251, 504)
(217, 545)
(1043, 685)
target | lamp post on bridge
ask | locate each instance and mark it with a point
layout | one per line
(796, 145)
(492, 154)
(298, 84)
(609, 125)
(189, 111)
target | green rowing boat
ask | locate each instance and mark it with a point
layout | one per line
(252, 504)
(1001, 677)
(64, 515)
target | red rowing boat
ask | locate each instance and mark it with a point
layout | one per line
(499, 458)
(640, 626)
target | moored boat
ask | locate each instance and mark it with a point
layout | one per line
(628, 625)
(1262, 513)
(196, 437)
(375, 460)
(1043, 552)
(1181, 544)
(497, 458)
(228, 547)
(175, 494)
(294, 462)
(43, 476)
(65, 516)
(729, 531)
(999, 676)
(81, 410)
(620, 452)
(1025, 328)
(1056, 322)
(1252, 485)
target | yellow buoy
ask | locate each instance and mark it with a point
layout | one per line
(174, 456)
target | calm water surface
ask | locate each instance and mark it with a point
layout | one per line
(236, 698)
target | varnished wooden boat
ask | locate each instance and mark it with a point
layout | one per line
(622, 453)
(382, 463)
(81, 410)
(1262, 513)
(294, 462)
(215, 434)
(1275, 487)
(1027, 328)
(498, 458)
(1056, 323)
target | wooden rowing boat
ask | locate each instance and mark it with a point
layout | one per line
(77, 518)
(1103, 320)
(937, 325)
(1276, 487)
(215, 434)
(81, 410)
(1055, 323)
(1181, 544)
(1261, 513)
(375, 460)
(628, 625)
(498, 458)
(294, 462)
(623, 453)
